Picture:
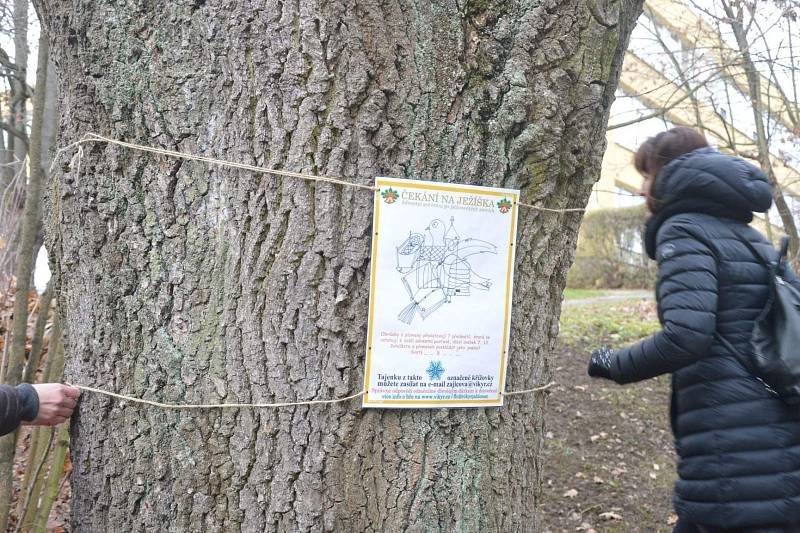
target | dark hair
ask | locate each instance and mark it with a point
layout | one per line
(657, 151)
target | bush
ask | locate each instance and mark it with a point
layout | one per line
(610, 251)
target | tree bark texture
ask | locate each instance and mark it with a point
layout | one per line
(191, 283)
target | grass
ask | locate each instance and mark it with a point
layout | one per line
(613, 324)
(579, 294)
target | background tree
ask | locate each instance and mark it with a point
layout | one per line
(27, 130)
(730, 70)
(189, 283)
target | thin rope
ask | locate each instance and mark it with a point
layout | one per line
(527, 391)
(221, 162)
(162, 405)
(213, 405)
(551, 210)
(93, 137)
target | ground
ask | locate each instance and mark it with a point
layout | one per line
(608, 459)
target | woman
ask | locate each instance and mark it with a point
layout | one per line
(738, 444)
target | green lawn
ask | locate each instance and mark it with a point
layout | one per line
(614, 324)
(579, 294)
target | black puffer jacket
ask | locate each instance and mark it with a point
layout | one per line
(17, 404)
(738, 445)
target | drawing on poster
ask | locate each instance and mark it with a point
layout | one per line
(436, 266)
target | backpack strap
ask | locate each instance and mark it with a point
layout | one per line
(774, 269)
(773, 266)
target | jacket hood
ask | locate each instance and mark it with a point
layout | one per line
(721, 179)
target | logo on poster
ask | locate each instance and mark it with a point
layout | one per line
(389, 196)
(435, 370)
(504, 205)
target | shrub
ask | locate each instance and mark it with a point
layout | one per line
(610, 252)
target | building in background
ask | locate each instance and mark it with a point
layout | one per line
(684, 67)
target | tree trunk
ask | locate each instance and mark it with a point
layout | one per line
(20, 83)
(185, 282)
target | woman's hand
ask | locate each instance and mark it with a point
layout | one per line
(600, 363)
(56, 403)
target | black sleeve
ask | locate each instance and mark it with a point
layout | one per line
(10, 406)
(17, 404)
(687, 294)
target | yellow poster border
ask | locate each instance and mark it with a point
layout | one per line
(446, 187)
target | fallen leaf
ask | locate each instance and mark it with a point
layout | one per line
(610, 515)
(653, 475)
(571, 493)
(656, 467)
(598, 480)
(672, 520)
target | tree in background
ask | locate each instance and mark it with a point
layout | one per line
(730, 70)
(189, 283)
(28, 133)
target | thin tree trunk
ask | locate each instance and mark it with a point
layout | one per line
(50, 119)
(9, 155)
(53, 371)
(34, 477)
(49, 135)
(762, 139)
(54, 478)
(23, 274)
(40, 440)
(37, 343)
(21, 52)
(189, 283)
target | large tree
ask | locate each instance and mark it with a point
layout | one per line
(185, 282)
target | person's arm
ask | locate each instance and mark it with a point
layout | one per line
(45, 404)
(687, 292)
(17, 404)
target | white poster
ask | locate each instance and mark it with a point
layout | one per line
(440, 294)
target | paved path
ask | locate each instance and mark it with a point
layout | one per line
(613, 296)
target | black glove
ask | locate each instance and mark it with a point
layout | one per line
(600, 363)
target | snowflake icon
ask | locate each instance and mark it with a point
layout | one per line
(435, 370)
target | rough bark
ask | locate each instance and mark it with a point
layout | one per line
(191, 283)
